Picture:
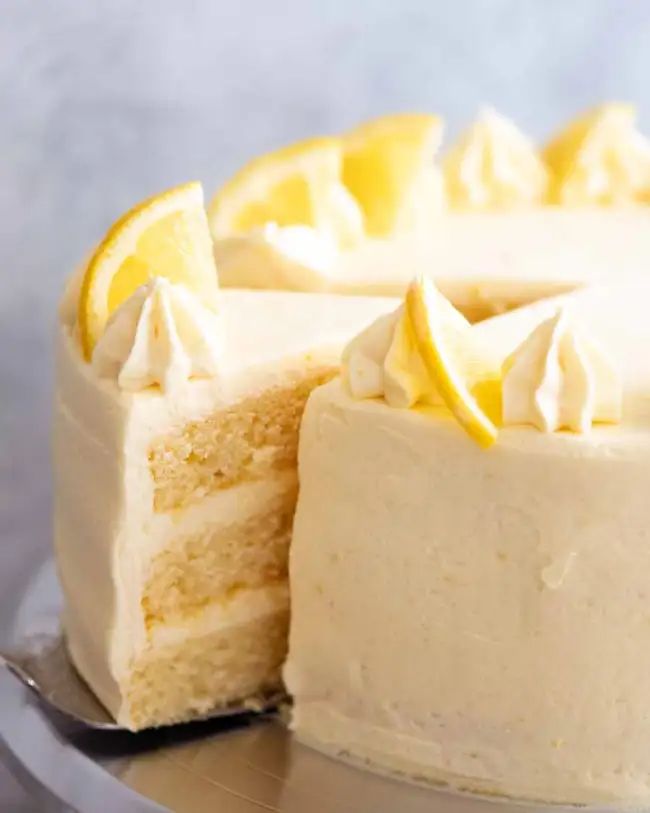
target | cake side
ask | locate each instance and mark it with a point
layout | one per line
(132, 573)
(471, 617)
(457, 615)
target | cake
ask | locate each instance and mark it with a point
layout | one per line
(467, 562)
(176, 418)
(480, 617)
(495, 221)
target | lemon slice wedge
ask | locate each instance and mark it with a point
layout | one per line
(298, 185)
(165, 236)
(600, 158)
(456, 370)
(388, 167)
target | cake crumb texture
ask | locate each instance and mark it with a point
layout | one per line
(177, 682)
(217, 561)
(246, 442)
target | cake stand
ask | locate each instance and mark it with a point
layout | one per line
(243, 766)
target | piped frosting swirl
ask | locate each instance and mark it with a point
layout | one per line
(383, 362)
(559, 379)
(161, 336)
(601, 158)
(494, 166)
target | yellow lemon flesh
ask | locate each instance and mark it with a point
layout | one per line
(297, 185)
(457, 372)
(388, 167)
(165, 236)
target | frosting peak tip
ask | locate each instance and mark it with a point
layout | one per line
(559, 379)
(424, 353)
(494, 165)
(161, 336)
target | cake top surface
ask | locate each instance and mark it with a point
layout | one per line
(146, 313)
(252, 329)
(571, 365)
(494, 210)
(263, 326)
(615, 317)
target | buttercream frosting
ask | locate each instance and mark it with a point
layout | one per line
(481, 260)
(491, 240)
(423, 202)
(161, 335)
(601, 158)
(304, 245)
(494, 166)
(558, 379)
(383, 362)
(480, 619)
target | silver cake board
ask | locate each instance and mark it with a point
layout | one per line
(249, 765)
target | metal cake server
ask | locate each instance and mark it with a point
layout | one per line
(43, 665)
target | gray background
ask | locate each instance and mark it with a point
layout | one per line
(104, 102)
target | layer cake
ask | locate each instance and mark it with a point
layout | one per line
(481, 617)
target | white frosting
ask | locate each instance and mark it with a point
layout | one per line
(494, 165)
(422, 203)
(338, 216)
(106, 528)
(162, 335)
(294, 257)
(557, 379)
(608, 158)
(478, 259)
(303, 245)
(383, 362)
(480, 618)
(363, 358)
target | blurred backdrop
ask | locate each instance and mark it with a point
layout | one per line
(105, 102)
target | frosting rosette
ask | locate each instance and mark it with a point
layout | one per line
(559, 379)
(494, 166)
(161, 336)
(600, 158)
(425, 353)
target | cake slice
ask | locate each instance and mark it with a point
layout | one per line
(176, 423)
(473, 616)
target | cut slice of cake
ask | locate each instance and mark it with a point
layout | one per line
(496, 222)
(481, 617)
(176, 425)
